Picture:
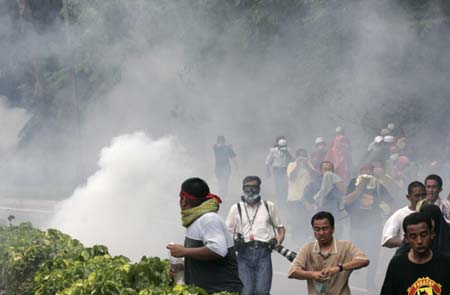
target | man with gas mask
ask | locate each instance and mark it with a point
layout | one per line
(257, 230)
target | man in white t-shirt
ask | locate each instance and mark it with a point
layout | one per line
(257, 222)
(209, 256)
(393, 230)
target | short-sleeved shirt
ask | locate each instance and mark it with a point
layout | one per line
(406, 277)
(278, 158)
(393, 228)
(262, 229)
(212, 231)
(309, 258)
(212, 275)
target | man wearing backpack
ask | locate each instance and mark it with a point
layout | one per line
(257, 230)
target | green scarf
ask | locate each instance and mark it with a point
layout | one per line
(190, 215)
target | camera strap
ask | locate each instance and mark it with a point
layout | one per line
(270, 217)
(240, 217)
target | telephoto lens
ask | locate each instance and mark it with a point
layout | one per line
(290, 255)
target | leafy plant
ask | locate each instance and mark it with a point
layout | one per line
(50, 262)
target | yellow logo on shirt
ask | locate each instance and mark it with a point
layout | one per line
(425, 286)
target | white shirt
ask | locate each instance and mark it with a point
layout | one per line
(262, 229)
(393, 228)
(278, 158)
(212, 231)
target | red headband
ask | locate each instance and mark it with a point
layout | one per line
(208, 196)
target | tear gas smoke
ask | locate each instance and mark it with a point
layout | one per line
(198, 69)
(131, 203)
(12, 121)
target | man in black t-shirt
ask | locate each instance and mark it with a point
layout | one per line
(420, 271)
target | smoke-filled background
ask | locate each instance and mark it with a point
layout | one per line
(78, 79)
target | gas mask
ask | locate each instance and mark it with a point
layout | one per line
(251, 194)
(251, 198)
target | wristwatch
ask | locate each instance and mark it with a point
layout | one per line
(341, 267)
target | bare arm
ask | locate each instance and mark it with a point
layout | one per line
(356, 263)
(393, 243)
(281, 235)
(353, 196)
(200, 253)
(301, 274)
(348, 266)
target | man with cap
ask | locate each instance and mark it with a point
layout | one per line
(276, 163)
(257, 228)
(208, 251)
(377, 152)
(394, 130)
(392, 149)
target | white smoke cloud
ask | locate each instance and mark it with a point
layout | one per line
(130, 203)
(12, 121)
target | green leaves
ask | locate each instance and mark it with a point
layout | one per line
(50, 262)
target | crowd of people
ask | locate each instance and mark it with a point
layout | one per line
(322, 191)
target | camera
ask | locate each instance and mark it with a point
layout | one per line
(290, 255)
(239, 242)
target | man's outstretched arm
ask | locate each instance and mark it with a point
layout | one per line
(200, 253)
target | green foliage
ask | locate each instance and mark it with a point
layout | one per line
(50, 262)
(22, 251)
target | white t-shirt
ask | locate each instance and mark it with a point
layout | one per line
(262, 229)
(393, 228)
(211, 230)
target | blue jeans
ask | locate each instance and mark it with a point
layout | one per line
(255, 270)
